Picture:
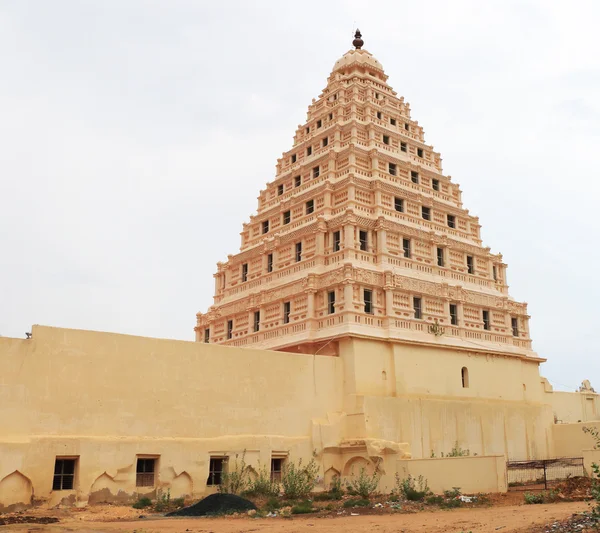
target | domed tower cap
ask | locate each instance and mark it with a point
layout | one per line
(358, 42)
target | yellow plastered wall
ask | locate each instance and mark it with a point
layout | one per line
(576, 407)
(570, 439)
(471, 474)
(416, 395)
(106, 398)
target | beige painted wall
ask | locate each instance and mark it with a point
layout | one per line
(570, 440)
(415, 395)
(471, 474)
(107, 399)
(70, 393)
(569, 407)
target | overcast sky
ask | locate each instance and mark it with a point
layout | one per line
(135, 137)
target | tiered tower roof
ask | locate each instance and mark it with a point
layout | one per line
(360, 234)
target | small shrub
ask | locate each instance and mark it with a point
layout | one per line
(263, 485)
(303, 508)
(450, 504)
(364, 485)
(272, 504)
(357, 502)
(457, 451)
(235, 481)
(434, 500)
(298, 481)
(454, 493)
(531, 499)
(142, 503)
(335, 487)
(178, 503)
(412, 489)
(325, 496)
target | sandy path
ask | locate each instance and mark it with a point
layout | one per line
(489, 520)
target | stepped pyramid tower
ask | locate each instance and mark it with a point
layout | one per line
(361, 236)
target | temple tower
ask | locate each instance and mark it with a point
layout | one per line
(361, 235)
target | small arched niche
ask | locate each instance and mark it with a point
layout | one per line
(464, 374)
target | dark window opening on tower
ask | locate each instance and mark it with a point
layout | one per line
(486, 319)
(470, 268)
(331, 302)
(454, 314)
(417, 307)
(363, 239)
(406, 247)
(368, 299)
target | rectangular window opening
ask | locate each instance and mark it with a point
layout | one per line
(207, 335)
(495, 272)
(393, 121)
(309, 151)
(245, 272)
(316, 172)
(435, 184)
(386, 139)
(293, 158)
(256, 321)
(414, 176)
(399, 204)
(406, 247)
(310, 207)
(426, 213)
(379, 115)
(514, 323)
(368, 298)
(287, 309)
(470, 268)
(336, 241)
(393, 169)
(406, 126)
(454, 314)
(265, 226)
(297, 181)
(298, 252)
(420, 152)
(403, 147)
(363, 238)
(331, 302)
(451, 219)
(279, 190)
(287, 217)
(64, 474)
(270, 263)
(276, 469)
(144, 472)
(440, 257)
(417, 307)
(216, 467)
(319, 123)
(325, 141)
(486, 319)
(229, 329)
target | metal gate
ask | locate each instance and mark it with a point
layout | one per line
(542, 474)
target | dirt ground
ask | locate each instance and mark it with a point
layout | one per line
(503, 518)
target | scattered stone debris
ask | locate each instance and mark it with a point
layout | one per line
(20, 519)
(216, 504)
(578, 523)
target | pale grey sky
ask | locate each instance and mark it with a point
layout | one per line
(136, 136)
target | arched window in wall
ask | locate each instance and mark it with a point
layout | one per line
(464, 373)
